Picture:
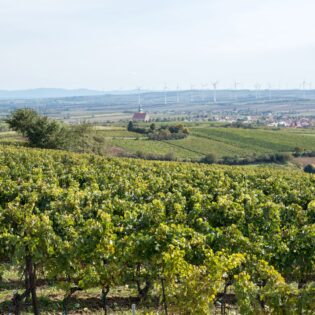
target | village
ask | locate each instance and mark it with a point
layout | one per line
(269, 119)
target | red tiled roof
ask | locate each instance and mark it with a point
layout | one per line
(139, 115)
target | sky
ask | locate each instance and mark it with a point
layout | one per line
(152, 44)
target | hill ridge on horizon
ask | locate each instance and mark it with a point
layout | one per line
(47, 93)
(43, 92)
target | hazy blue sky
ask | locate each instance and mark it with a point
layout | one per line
(112, 44)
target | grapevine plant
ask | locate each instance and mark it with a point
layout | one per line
(185, 232)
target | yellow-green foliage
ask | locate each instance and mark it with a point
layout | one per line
(89, 221)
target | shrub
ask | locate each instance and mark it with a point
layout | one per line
(305, 154)
(165, 132)
(156, 157)
(280, 158)
(130, 126)
(166, 135)
(152, 127)
(209, 159)
(309, 168)
(133, 127)
(298, 151)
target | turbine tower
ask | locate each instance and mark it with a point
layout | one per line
(304, 88)
(304, 85)
(215, 85)
(269, 91)
(191, 93)
(236, 84)
(165, 94)
(257, 89)
(204, 91)
(139, 100)
(177, 94)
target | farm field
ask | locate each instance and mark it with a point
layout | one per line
(221, 141)
(204, 146)
(260, 140)
(154, 147)
(118, 133)
(11, 137)
(204, 139)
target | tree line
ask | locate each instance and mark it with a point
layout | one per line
(164, 132)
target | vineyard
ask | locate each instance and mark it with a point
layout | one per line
(204, 140)
(186, 238)
(260, 140)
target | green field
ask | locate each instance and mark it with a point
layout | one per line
(259, 140)
(154, 147)
(203, 139)
(222, 141)
(118, 133)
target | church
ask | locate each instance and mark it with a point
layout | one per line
(140, 115)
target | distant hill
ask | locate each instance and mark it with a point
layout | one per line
(47, 93)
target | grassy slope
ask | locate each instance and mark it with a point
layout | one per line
(259, 140)
(155, 147)
(118, 133)
(204, 140)
(225, 142)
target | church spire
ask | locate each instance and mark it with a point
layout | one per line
(140, 110)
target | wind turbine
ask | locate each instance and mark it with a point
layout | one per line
(191, 93)
(215, 85)
(257, 88)
(269, 91)
(177, 94)
(139, 99)
(304, 85)
(304, 88)
(236, 84)
(203, 92)
(165, 94)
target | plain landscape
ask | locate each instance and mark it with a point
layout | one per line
(107, 229)
(157, 157)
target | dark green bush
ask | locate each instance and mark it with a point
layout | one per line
(209, 159)
(309, 168)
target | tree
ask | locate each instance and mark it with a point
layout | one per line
(209, 158)
(152, 127)
(22, 120)
(130, 126)
(282, 157)
(298, 151)
(41, 131)
(48, 134)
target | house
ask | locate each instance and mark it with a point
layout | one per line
(140, 116)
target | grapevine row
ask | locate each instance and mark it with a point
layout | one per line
(185, 231)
